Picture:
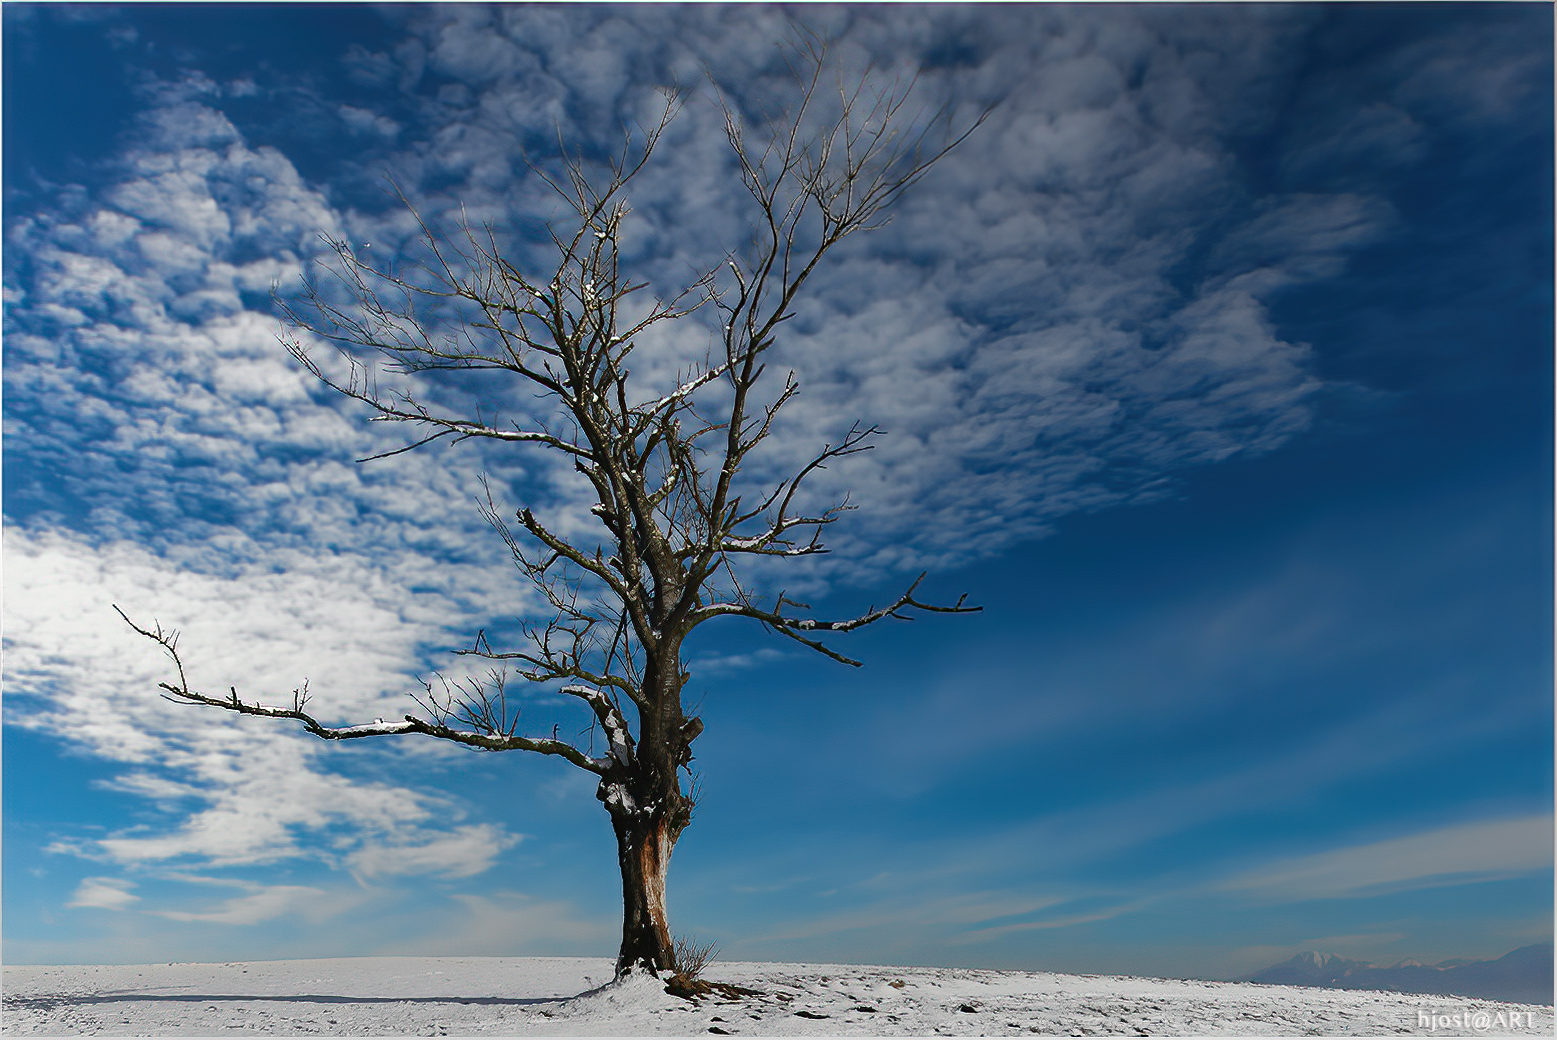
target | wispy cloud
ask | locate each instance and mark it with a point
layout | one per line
(261, 903)
(1460, 854)
(465, 852)
(104, 893)
(954, 915)
(1115, 908)
(917, 907)
(505, 923)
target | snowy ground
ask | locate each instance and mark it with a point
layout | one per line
(517, 996)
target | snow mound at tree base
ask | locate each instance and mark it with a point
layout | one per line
(520, 996)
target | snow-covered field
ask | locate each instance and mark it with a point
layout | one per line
(518, 996)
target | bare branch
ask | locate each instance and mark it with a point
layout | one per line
(182, 694)
(798, 628)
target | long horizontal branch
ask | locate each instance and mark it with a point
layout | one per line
(182, 694)
(796, 628)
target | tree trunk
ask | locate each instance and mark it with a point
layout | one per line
(643, 846)
(649, 812)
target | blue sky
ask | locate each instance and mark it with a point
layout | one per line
(1216, 367)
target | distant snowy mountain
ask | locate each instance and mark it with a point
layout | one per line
(1311, 969)
(1525, 975)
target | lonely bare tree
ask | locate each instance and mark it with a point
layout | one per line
(674, 525)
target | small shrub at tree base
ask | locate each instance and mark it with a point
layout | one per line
(687, 969)
(690, 959)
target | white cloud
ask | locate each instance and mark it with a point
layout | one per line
(366, 121)
(241, 793)
(465, 852)
(104, 893)
(265, 903)
(1461, 854)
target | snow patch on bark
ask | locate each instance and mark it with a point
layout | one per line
(618, 799)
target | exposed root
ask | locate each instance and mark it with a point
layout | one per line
(681, 985)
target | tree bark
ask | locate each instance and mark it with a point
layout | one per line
(643, 846)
